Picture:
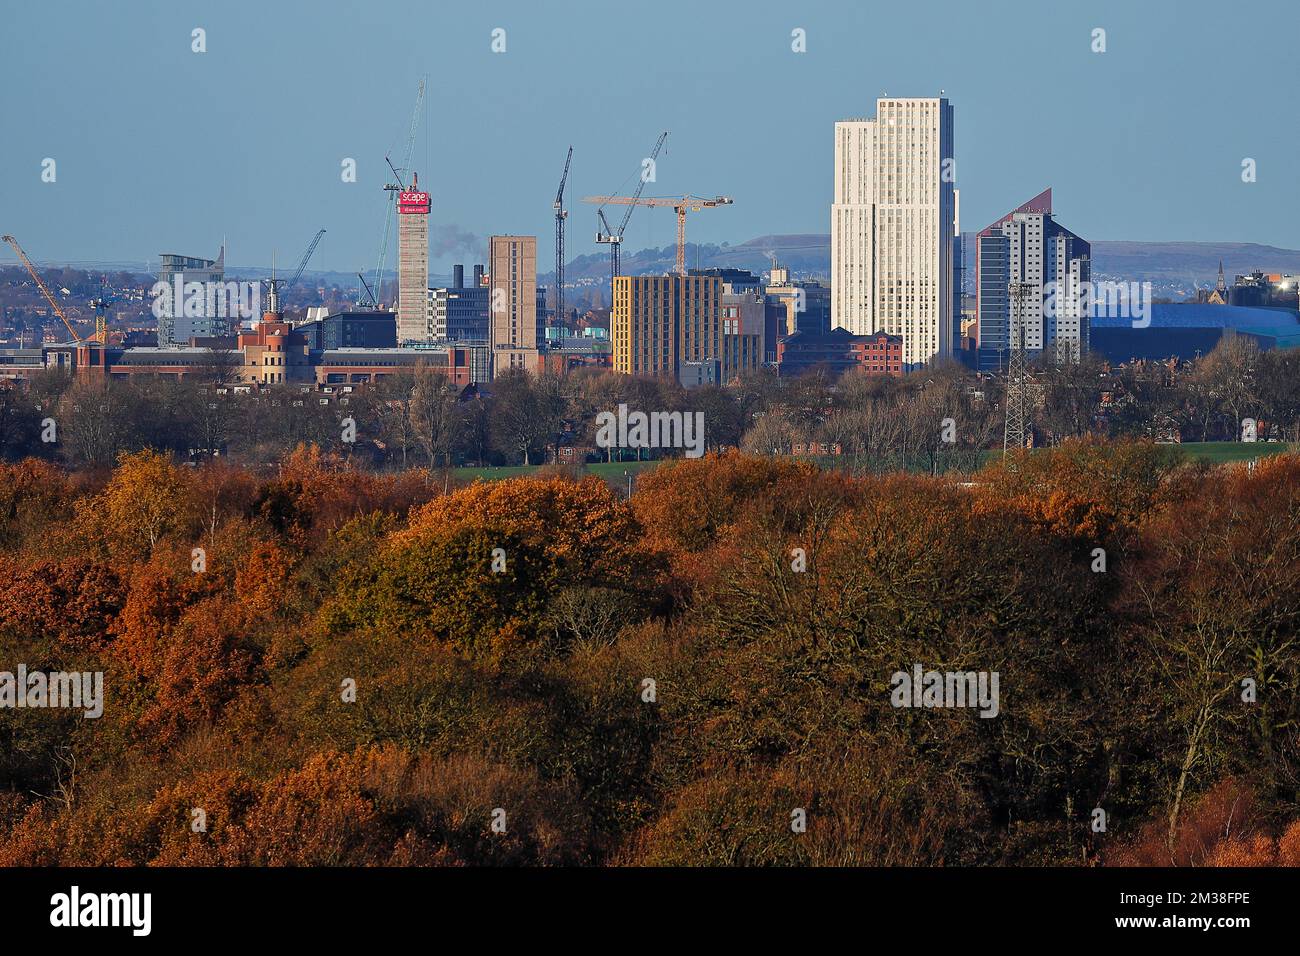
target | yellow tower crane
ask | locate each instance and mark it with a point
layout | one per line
(679, 204)
(101, 330)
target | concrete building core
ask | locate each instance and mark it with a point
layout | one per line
(412, 263)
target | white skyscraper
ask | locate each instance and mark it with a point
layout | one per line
(892, 225)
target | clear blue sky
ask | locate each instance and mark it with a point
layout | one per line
(162, 149)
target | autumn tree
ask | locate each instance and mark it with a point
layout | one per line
(96, 420)
(144, 501)
(390, 405)
(435, 416)
(519, 431)
(1215, 594)
(476, 568)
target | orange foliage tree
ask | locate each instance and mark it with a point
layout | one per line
(476, 568)
(145, 500)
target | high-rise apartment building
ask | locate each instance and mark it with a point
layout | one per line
(661, 325)
(892, 225)
(412, 264)
(515, 318)
(175, 327)
(1028, 246)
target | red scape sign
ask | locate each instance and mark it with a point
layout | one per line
(408, 202)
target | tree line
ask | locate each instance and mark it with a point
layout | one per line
(340, 666)
(934, 420)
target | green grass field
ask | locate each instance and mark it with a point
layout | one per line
(1215, 452)
(610, 471)
(1218, 452)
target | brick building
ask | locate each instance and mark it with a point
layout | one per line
(839, 351)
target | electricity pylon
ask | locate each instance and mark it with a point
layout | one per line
(1017, 423)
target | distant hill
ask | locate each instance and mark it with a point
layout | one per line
(1190, 261)
(1172, 267)
(803, 254)
(1175, 269)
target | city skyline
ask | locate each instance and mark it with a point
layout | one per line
(911, 491)
(279, 180)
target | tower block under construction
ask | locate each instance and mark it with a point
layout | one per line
(412, 263)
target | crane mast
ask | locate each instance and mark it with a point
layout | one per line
(614, 238)
(560, 216)
(393, 188)
(273, 297)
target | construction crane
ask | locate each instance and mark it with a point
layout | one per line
(614, 238)
(100, 304)
(560, 216)
(394, 188)
(101, 332)
(679, 204)
(373, 302)
(273, 297)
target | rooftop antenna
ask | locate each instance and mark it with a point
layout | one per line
(273, 297)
